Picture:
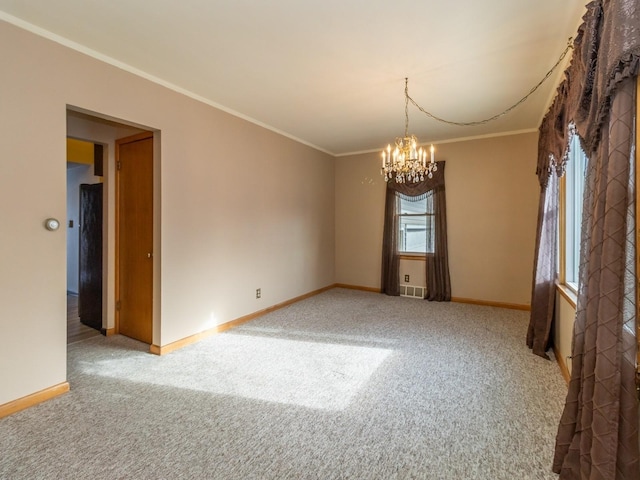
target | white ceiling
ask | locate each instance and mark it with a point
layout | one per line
(331, 72)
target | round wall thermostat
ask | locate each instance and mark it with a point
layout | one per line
(52, 224)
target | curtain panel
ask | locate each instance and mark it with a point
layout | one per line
(601, 410)
(544, 279)
(598, 433)
(437, 264)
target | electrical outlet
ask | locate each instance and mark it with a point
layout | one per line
(258, 292)
(406, 278)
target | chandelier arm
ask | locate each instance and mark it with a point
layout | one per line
(495, 117)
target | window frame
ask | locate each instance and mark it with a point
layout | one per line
(569, 220)
(409, 254)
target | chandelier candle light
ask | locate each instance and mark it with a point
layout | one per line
(407, 163)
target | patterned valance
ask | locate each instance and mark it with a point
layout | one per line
(606, 51)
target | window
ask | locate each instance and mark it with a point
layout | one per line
(416, 227)
(571, 214)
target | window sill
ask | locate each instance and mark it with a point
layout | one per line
(568, 294)
(412, 256)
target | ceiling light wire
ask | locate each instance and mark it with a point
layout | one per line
(495, 117)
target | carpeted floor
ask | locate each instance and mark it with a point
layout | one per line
(344, 385)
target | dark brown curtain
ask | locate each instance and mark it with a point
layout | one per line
(545, 275)
(390, 282)
(598, 433)
(437, 264)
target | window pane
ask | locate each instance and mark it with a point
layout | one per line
(575, 178)
(416, 227)
(413, 232)
(419, 206)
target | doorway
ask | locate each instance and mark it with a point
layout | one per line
(97, 129)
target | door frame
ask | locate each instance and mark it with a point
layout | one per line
(91, 126)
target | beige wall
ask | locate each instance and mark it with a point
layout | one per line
(359, 219)
(492, 200)
(220, 234)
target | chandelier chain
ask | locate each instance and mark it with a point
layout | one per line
(495, 117)
(406, 106)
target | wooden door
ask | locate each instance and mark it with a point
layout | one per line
(134, 232)
(90, 259)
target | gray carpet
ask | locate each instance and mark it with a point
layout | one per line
(344, 385)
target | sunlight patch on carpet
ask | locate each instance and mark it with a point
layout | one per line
(308, 374)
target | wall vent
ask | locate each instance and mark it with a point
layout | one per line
(412, 291)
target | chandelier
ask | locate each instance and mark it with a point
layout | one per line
(406, 162)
